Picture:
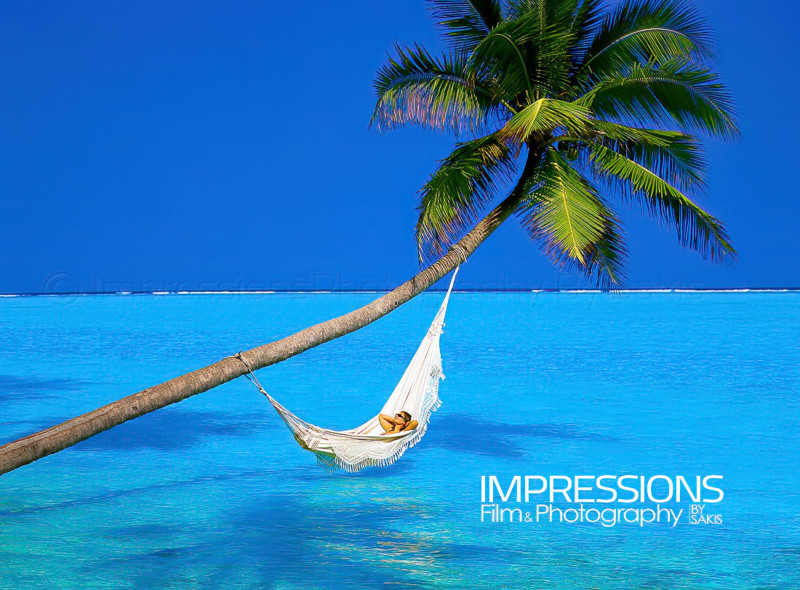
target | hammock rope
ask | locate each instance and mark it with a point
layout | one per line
(251, 377)
(368, 445)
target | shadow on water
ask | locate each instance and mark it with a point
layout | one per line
(467, 433)
(130, 492)
(14, 388)
(173, 429)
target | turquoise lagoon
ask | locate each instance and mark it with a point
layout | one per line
(214, 493)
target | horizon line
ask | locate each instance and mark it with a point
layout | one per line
(438, 290)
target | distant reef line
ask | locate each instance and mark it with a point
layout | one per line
(666, 290)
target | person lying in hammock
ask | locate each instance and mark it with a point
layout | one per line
(400, 423)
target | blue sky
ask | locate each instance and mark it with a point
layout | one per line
(209, 145)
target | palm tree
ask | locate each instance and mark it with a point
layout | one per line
(592, 105)
(574, 104)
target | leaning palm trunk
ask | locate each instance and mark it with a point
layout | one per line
(610, 101)
(46, 442)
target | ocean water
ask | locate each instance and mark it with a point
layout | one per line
(214, 493)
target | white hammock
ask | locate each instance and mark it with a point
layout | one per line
(417, 393)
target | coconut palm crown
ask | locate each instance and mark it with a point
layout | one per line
(579, 104)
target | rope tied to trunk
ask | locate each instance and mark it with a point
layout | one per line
(250, 375)
(460, 251)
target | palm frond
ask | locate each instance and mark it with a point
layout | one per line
(545, 117)
(696, 228)
(526, 60)
(644, 31)
(465, 22)
(585, 22)
(675, 92)
(563, 212)
(674, 156)
(416, 88)
(543, 12)
(607, 258)
(501, 58)
(546, 31)
(460, 190)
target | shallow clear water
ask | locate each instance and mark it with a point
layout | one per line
(213, 492)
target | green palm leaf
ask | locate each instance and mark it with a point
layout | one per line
(416, 88)
(460, 190)
(543, 117)
(674, 156)
(646, 31)
(607, 257)
(585, 22)
(696, 228)
(563, 211)
(676, 92)
(525, 57)
(465, 22)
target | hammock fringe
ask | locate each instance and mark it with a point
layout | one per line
(337, 464)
